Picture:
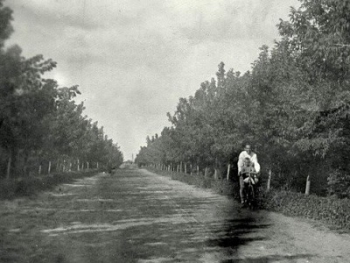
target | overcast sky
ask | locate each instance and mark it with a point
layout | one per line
(134, 59)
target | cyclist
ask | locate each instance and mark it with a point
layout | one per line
(247, 161)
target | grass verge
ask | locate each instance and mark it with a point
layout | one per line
(30, 186)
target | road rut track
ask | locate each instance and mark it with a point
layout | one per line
(138, 216)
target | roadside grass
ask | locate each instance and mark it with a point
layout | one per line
(330, 210)
(33, 185)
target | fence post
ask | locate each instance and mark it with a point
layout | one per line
(8, 169)
(228, 172)
(205, 172)
(49, 168)
(307, 188)
(216, 174)
(269, 181)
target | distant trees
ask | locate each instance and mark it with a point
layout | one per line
(41, 126)
(293, 106)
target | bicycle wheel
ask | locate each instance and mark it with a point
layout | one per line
(250, 196)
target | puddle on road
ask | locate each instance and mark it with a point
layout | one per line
(61, 194)
(77, 228)
(95, 200)
(155, 260)
(77, 185)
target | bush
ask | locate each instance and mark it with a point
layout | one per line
(339, 184)
(329, 210)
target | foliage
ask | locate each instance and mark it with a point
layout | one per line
(42, 128)
(293, 106)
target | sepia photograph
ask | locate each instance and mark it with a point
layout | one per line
(151, 131)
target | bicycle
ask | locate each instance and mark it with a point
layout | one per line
(249, 193)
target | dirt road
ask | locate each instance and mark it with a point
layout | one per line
(137, 216)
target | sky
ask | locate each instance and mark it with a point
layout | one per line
(134, 59)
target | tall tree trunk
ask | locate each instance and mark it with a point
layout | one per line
(39, 169)
(78, 165)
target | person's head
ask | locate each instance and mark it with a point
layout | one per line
(247, 162)
(248, 148)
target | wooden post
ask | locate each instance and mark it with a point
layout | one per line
(39, 169)
(269, 181)
(216, 174)
(228, 172)
(8, 170)
(185, 168)
(49, 168)
(70, 166)
(307, 188)
(88, 165)
(205, 172)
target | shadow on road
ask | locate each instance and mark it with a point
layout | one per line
(237, 233)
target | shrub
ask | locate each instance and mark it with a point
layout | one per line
(339, 184)
(329, 210)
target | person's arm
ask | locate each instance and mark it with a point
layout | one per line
(240, 162)
(256, 163)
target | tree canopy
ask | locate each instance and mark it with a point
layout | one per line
(40, 123)
(292, 106)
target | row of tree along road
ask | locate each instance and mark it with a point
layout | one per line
(293, 107)
(42, 128)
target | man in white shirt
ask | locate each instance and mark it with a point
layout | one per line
(246, 154)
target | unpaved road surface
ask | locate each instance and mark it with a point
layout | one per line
(137, 216)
